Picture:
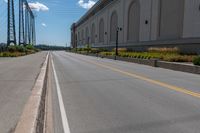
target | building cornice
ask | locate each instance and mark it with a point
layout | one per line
(96, 8)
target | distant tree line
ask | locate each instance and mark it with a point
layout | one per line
(50, 47)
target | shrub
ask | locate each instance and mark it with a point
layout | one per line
(94, 50)
(107, 53)
(37, 50)
(174, 50)
(120, 50)
(87, 48)
(103, 50)
(79, 49)
(148, 55)
(30, 47)
(12, 48)
(178, 58)
(21, 49)
(196, 60)
(5, 54)
(16, 50)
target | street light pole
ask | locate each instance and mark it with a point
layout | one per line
(117, 42)
(88, 45)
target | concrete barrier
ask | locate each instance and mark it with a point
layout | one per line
(179, 67)
(31, 120)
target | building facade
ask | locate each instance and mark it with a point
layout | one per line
(143, 24)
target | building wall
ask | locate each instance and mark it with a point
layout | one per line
(159, 22)
(191, 19)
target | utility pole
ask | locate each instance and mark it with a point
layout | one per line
(11, 33)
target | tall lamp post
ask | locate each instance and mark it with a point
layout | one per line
(88, 45)
(117, 42)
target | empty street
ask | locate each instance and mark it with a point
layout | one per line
(107, 96)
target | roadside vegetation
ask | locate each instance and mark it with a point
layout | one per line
(196, 60)
(164, 54)
(15, 51)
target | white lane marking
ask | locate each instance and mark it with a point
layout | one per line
(61, 104)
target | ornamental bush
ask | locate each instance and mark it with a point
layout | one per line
(21, 49)
(12, 48)
(196, 60)
(174, 50)
(30, 47)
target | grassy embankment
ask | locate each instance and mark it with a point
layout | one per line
(164, 54)
(15, 51)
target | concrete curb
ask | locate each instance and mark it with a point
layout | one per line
(156, 63)
(30, 119)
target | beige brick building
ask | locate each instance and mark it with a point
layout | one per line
(144, 23)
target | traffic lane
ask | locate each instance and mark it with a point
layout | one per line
(176, 78)
(121, 105)
(17, 77)
(57, 120)
(85, 74)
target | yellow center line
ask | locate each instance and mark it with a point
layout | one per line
(156, 82)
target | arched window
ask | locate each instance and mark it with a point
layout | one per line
(76, 40)
(101, 31)
(134, 21)
(87, 35)
(113, 26)
(171, 19)
(93, 33)
(79, 38)
(82, 37)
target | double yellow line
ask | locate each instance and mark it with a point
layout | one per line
(156, 82)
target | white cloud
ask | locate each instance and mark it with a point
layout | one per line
(38, 6)
(44, 25)
(6, 1)
(86, 5)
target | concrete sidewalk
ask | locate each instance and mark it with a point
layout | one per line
(17, 77)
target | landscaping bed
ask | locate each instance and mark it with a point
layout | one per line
(16, 51)
(162, 54)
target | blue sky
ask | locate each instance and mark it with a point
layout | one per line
(53, 19)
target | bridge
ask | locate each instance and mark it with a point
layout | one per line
(26, 23)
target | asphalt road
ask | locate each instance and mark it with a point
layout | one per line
(107, 96)
(17, 77)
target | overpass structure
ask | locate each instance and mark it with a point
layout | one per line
(143, 24)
